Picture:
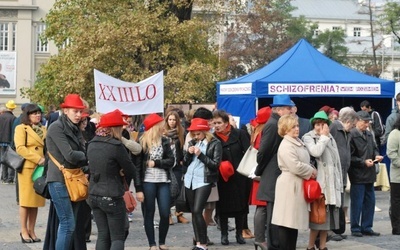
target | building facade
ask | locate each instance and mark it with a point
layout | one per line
(22, 50)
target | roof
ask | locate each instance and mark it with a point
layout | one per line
(330, 9)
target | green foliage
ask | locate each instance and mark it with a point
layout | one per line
(332, 43)
(391, 18)
(129, 40)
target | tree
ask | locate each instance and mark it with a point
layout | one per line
(260, 34)
(391, 17)
(332, 44)
(129, 40)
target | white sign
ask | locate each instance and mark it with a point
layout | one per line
(323, 88)
(8, 73)
(144, 97)
(235, 89)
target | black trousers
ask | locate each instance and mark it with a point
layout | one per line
(272, 230)
(197, 200)
(287, 238)
(395, 207)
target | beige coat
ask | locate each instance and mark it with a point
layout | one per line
(291, 209)
(32, 151)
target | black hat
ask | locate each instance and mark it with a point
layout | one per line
(363, 115)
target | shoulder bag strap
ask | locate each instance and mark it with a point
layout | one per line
(125, 183)
(56, 162)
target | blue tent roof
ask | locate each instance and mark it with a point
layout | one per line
(303, 64)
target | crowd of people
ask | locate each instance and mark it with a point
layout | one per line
(201, 151)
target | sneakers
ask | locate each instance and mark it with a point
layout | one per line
(377, 209)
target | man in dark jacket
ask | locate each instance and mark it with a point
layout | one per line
(362, 175)
(6, 122)
(267, 161)
(340, 131)
(376, 127)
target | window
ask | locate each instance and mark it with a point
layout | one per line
(357, 31)
(335, 28)
(41, 45)
(316, 32)
(7, 36)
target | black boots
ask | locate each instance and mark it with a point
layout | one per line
(224, 239)
(239, 238)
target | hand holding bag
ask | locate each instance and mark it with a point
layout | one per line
(130, 202)
(248, 162)
(12, 160)
(318, 210)
(75, 180)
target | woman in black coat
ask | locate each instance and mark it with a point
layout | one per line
(233, 191)
(108, 162)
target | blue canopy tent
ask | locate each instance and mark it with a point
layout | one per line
(302, 71)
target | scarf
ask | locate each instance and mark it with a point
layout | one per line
(224, 135)
(103, 132)
(38, 129)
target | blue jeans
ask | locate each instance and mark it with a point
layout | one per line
(66, 213)
(362, 206)
(153, 191)
(109, 214)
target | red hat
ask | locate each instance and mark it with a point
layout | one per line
(226, 170)
(111, 119)
(124, 115)
(327, 109)
(151, 120)
(73, 101)
(199, 124)
(253, 122)
(85, 114)
(263, 115)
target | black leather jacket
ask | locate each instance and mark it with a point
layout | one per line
(211, 160)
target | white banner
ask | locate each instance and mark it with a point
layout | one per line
(8, 73)
(144, 97)
(322, 88)
(235, 89)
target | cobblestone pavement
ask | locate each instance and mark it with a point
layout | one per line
(180, 235)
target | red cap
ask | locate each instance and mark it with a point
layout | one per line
(263, 115)
(73, 101)
(327, 109)
(111, 119)
(199, 124)
(226, 170)
(151, 120)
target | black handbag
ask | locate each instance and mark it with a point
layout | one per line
(12, 160)
(40, 187)
(173, 186)
(181, 203)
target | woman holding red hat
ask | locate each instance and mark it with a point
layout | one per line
(108, 162)
(174, 131)
(65, 143)
(202, 159)
(156, 160)
(234, 193)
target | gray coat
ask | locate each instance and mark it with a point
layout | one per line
(393, 152)
(65, 142)
(326, 153)
(342, 139)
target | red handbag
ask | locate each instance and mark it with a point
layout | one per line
(130, 202)
(312, 190)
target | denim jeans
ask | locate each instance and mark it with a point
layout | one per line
(153, 191)
(362, 206)
(66, 213)
(109, 214)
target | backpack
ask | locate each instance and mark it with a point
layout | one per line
(377, 126)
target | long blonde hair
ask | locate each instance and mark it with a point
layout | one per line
(255, 132)
(152, 137)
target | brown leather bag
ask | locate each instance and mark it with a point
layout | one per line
(318, 210)
(130, 202)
